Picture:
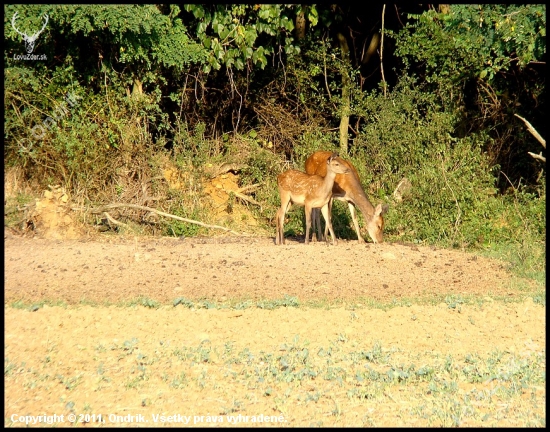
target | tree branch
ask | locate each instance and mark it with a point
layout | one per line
(382, 50)
(139, 207)
(113, 220)
(246, 198)
(533, 131)
(226, 167)
(537, 156)
(248, 188)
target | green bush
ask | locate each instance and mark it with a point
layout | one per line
(102, 148)
(409, 134)
(59, 132)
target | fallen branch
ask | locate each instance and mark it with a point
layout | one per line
(246, 198)
(248, 188)
(226, 167)
(537, 156)
(113, 220)
(144, 208)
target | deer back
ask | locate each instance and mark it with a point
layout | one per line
(343, 183)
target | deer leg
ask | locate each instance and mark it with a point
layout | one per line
(313, 226)
(326, 214)
(308, 211)
(279, 228)
(353, 213)
(322, 236)
(326, 224)
(280, 239)
(316, 223)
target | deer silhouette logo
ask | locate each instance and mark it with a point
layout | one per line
(29, 40)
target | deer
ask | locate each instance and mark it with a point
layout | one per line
(348, 188)
(311, 191)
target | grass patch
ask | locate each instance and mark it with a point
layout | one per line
(34, 306)
(14, 209)
(452, 301)
(526, 260)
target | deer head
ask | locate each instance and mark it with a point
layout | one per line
(29, 40)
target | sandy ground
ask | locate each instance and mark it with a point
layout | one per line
(132, 361)
(226, 268)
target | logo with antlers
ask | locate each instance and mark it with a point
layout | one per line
(29, 40)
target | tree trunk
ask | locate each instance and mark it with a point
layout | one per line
(137, 88)
(371, 49)
(346, 107)
(301, 24)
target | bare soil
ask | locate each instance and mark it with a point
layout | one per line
(227, 268)
(109, 358)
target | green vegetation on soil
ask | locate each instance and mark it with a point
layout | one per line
(126, 93)
(329, 380)
(146, 104)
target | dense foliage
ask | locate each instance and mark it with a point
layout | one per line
(430, 94)
(488, 63)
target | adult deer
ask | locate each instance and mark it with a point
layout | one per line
(310, 191)
(348, 188)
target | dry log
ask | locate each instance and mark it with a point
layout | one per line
(161, 213)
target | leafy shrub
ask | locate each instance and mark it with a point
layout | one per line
(65, 134)
(409, 134)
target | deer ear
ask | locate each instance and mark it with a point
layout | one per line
(381, 209)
